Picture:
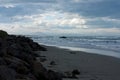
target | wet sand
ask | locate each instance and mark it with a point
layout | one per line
(91, 66)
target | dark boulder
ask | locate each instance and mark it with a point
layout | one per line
(42, 74)
(64, 37)
(54, 75)
(52, 63)
(36, 47)
(22, 69)
(75, 72)
(7, 73)
(3, 34)
(39, 71)
(2, 61)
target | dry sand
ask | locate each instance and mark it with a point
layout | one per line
(91, 66)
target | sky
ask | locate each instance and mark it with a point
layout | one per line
(84, 17)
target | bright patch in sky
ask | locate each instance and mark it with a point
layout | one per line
(87, 17)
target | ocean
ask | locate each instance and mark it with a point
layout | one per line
(108, 45)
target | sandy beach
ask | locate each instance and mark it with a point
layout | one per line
(91, 66)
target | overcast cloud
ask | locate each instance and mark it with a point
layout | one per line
(60, 16)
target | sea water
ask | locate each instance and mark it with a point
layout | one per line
(108, 45)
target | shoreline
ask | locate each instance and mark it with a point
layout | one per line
(91, 66)
(88, 50)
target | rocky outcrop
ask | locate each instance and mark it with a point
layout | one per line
(64, 37)
(18, 60)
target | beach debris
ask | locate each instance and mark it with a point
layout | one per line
(75, 72)
(72, 52)
(71, 74)
(67, 74)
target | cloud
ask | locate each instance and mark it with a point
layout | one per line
(10, 8)
(8, 5)
(90, 8)
(80, 16)
(18, 28)
(44, 22)
(55, 20)
(59, 20)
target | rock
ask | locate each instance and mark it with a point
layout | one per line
(27, 57)
(74, 73)
(17, 51)
(67, 74)
(26, 47)
(13, 50)
(7, 73)
(39, 71)
(2, 61)
(3, 34)
(52, 63)
(18, 60)
(43, 59)
(42, 74)
(63, 37)
(31, 76)
(3, 46)
(54, 75)
(22, 69)
(25, 77)
(36, 47)
(0, 43)
(14, 62)
(36, 54)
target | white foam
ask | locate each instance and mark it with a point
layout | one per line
(101, 45)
